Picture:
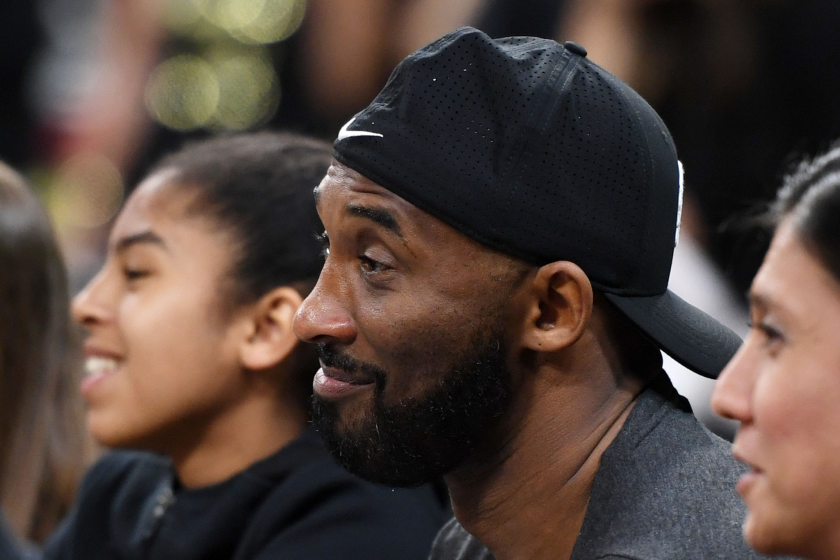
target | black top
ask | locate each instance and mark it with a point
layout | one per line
(296, 504)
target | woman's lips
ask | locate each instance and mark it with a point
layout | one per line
(331, 383)
(97, 368)
(749, 478)
(747, 481)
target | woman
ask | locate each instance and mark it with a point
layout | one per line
(43, 443)
(784, 383)
(191, 356)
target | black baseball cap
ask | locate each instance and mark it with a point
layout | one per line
(528, 147)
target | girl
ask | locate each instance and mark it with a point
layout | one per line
(191, 356)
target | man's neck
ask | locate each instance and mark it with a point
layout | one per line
(528, 498)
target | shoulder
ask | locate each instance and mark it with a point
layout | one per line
(116, 467)
(665, 489)
(112, 488)
(319, 510)
(120, 480)
(455, 543)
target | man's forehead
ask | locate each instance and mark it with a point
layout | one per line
(351, 193)
(350, 182)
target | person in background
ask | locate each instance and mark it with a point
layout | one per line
(44, 447)
(191, 359)
(783, 385)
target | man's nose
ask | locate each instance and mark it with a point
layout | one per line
(323, 316)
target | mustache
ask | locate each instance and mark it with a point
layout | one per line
(332, 357)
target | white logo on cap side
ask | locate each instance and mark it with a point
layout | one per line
(680, 202)
(344, 133)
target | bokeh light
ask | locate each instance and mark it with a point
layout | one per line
(230, 88)
(249, 90)
(254, 21)
(183, 92)
(227, 80)
(87, 191)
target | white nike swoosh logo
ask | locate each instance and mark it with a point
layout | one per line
(344, 133)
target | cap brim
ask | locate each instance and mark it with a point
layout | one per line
(687, 334)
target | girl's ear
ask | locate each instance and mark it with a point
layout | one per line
(270, 339)
(560, 307)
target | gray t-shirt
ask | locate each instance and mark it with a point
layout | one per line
(665, 489)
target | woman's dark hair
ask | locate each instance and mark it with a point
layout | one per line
(259, 187)
(44, 446)
(811, 196)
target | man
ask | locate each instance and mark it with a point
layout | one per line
(500, 223)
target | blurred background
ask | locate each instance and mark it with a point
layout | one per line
(93, 91)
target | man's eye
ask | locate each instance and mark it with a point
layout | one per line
(371, 266)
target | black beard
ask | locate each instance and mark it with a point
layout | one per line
(419, 439)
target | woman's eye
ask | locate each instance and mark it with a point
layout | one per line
(771, 333)
(769, 336)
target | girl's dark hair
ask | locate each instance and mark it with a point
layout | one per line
(811, 196)
(259, 187)
(44, 447)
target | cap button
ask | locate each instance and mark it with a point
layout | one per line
(575, 48)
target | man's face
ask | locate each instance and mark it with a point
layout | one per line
(412, 323)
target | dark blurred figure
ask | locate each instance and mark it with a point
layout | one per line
(43, 443)
(744, 86)
(20, 39)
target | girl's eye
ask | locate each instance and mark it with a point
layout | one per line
(134, 274)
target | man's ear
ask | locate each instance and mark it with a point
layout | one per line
(270, 339)
(561, 306)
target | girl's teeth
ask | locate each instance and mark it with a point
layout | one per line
(97, 365)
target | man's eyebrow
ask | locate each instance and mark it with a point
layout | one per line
(379, 215)
(143, 237)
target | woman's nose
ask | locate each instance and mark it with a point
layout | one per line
(732, 396)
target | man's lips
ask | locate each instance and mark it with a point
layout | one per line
(334, 384)
(353, 378)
